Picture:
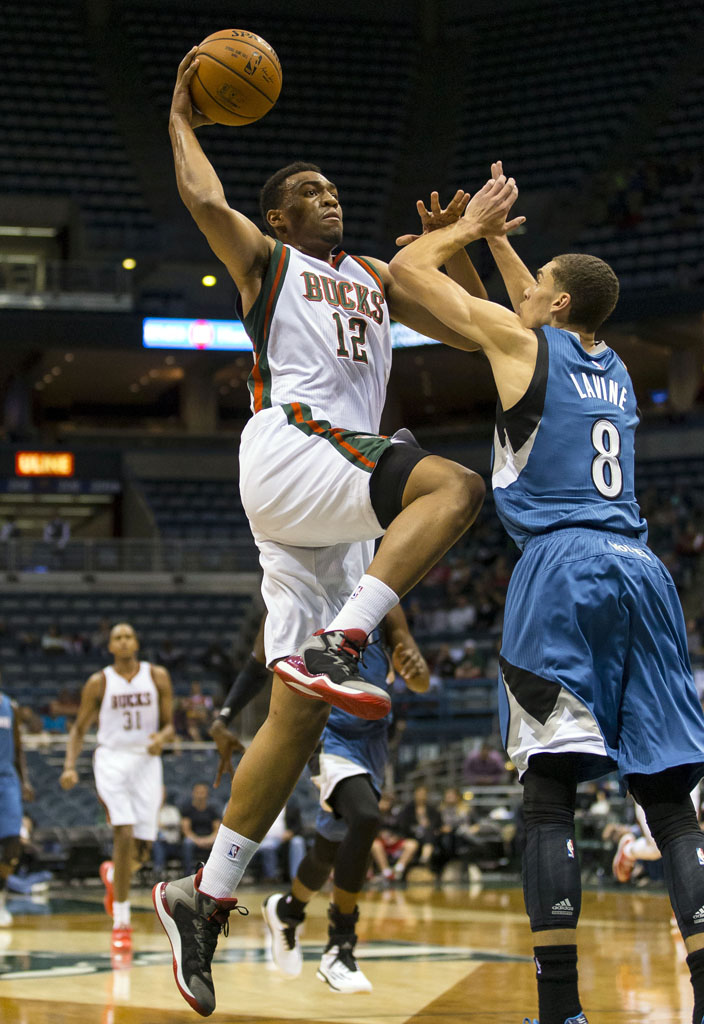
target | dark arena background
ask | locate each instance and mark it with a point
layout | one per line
(121, 417)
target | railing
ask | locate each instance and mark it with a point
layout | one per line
(33, 282)
(112, 555)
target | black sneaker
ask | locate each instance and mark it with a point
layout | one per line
(192, 922)
(326, 667)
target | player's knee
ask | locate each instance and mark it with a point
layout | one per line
(366, 823)
(463, 493)
(10, 852)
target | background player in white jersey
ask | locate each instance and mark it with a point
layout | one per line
(595, 673)
(132, 701)
(318, 484)
(14, 787)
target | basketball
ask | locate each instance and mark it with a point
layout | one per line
(238, 78)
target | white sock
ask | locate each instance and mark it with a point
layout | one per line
(229, 857)
(121, 914)
(367, 606)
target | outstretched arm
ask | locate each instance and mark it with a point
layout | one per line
(234, 239)
(509, 346)
(516, 275)
(459, 266)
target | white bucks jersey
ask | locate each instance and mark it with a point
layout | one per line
(129, 712)
(322, 341)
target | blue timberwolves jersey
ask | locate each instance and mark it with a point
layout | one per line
(7, 737)
(564, 454)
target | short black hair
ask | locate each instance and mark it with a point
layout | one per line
(272, 191)
(593, 288)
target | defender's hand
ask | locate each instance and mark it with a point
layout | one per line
(181, 102)
(489, 207)
(227, 744)
(437, 216)
(411, 666)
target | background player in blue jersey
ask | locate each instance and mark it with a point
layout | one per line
(595, 673)
(349, 770)
(14, 787)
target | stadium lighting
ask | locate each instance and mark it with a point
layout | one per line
(128, 263)
(209, 280)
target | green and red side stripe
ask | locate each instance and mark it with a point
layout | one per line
(363, 450)
(258, 325)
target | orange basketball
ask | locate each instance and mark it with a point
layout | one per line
(238, 78)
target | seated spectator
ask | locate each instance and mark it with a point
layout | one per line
(168, 842)
(200, 823)
(389, 843)
(284, 834)
(462, 616)
(472, 664)
(172, 658)
(198, 707)
(419, 823)
(57, 532)
(484, 767)
(52, 642)
(9, 530)
(100, 638)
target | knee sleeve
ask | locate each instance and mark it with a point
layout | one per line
(355, 801)
(317, 864)
(10, 852)
(552, 886)
(673, 822)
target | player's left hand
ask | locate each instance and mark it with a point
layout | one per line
(227, 744)
(437, 216)
(27, 792)
(156, 745)
(411, 666)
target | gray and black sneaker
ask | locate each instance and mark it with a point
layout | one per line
(326, 667)
(192, 922)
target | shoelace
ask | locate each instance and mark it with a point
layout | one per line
(289, 933)
(208, 929)
(346, 956)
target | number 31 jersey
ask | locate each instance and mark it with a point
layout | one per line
(322, 338)
(564, 454)
(129, 712)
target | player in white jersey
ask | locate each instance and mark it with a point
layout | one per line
(318, 484)
(132, 700)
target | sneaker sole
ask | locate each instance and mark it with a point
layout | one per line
(363, 704)
(272, 933)
(341, 991)
(109, 896)
(172, 933)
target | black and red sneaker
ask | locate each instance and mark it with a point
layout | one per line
(326, 667)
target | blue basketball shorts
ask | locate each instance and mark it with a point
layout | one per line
(594, 658)
(10, 805)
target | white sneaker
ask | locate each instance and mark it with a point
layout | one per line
(285, 942)
(5, 916)
(339, 969)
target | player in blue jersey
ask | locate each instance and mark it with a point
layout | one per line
(594, 673)
(349, 771)
(14, 787)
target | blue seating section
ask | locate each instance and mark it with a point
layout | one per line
(198, 508)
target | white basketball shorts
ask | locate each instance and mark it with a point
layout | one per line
(130, 785)
(312, 519)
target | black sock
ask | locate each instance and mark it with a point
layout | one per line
(289, 907)
(695, 962)
(556, 971)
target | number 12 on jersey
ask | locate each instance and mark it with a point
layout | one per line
(607, 475)
(358, 339)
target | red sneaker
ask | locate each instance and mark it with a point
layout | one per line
(105, 871)
(326, 666)
(624, 861)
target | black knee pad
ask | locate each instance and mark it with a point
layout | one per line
(673, 822)
(317, 864)
(10, 853)
(552, 886)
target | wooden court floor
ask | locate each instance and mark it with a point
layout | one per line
(460, 955)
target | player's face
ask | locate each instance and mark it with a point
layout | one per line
(123, 642)
(537, 306)
(311, 211)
